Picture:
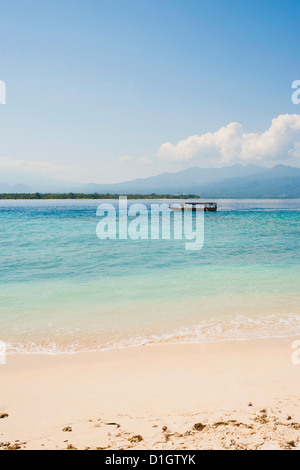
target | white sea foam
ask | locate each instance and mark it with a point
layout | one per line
(239, 328)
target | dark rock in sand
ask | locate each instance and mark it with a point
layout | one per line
(199, 427)
(136, 438)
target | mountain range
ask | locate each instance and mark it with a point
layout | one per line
(236, 181)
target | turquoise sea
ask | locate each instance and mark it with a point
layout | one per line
(64, 290)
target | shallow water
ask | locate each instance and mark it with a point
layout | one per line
(64, 290)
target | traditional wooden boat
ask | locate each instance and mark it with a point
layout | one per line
(197, 206)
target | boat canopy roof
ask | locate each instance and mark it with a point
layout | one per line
(199, 203)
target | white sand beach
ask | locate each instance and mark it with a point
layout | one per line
(226, 395)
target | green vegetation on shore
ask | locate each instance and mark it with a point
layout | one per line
(37, 196)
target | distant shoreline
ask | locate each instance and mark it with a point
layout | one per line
(47, 196)
(96, 196)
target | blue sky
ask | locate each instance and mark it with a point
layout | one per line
(96, 88)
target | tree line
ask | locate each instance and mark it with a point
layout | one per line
(37, 196)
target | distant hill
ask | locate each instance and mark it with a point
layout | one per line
(26, 182)
(280, 181)
(176, 183)
(228, 182)
(18, 188)
(234, 181)
(254, 187)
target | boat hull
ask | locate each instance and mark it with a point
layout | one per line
(205, 209)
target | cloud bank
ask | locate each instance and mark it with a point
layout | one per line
(231, 143)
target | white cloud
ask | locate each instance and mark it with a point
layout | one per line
(125, 158)
(230, 143)
(29, 165)
(145, 161)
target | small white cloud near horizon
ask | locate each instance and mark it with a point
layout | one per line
(30, 165)
(231, 144)
(146, 161)
(125, 158)
(143, 160)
